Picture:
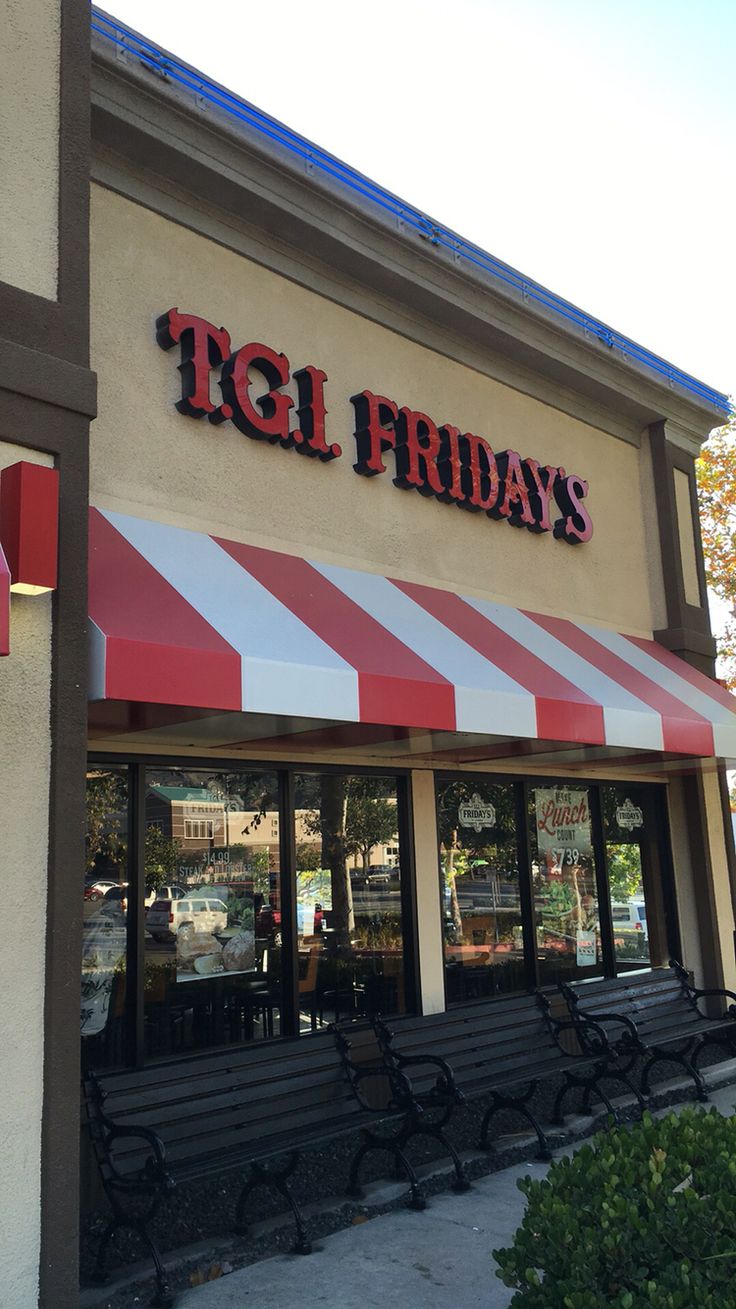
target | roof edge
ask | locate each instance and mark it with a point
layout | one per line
(280, 143)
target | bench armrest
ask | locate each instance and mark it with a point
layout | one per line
(695, 993)
(445, 1081)
(698, 994)
(155, 1166)
(591, 1035)
(402, 1092)
(630, 1035)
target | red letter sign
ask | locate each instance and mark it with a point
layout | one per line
(203, 347)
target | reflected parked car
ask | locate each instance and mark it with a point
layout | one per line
(96, 890)
(117, 896)
(630, 917)
(268, 922)
(115, 900)
(167, 919)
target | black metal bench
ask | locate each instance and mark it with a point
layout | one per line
(199, 1117)
(656, 1016)
(382, 1088)
(503, 1049)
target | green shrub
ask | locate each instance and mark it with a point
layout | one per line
(642, 1218)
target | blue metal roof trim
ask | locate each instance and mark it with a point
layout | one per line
(115, 31)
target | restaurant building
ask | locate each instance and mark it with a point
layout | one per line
(392, 658)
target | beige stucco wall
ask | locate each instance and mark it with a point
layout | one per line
(29, 144)
(150, 460)
(25, 677)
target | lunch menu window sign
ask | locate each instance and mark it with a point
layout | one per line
(567, 898)
(563, 827)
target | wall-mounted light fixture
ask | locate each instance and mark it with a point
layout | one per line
(29, 526)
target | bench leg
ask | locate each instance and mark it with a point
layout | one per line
(164, 1297)
(571, 1083)
(394, 1145)
(591, 1087)
(673, 1057)
(416, 1199)
(725, 1041)
(462, 1182)
(354, 1189)
(594, 1089)
(627, 1082)
(519, 1106)
(100, 1271)
(277, 1178)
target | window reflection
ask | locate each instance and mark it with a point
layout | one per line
(213, 913)
(482, 921)
(348, 898)
(105, 911)
(568, 934)
(627, 827)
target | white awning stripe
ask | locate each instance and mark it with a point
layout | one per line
(629, 721)
(283, 662)
(486, 698)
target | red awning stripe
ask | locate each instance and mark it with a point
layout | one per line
(158, 649)
(705, 685)
(394, 684)
(564, 712)
(683, 729)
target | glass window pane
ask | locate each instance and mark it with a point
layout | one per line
(213, 909)
(104, 932)
(630, 840)
(348, 898)
(567, 924)
(479, 874)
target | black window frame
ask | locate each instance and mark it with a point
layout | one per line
(137, 765)
(523, 784)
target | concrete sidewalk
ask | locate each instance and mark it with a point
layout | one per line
(435, 1259)
(420, 1260)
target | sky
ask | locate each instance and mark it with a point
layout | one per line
(590, 143)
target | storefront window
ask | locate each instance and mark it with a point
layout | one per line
(565, 893)
(212, 909)
(206, 925)
(481, 902)
(105, 909)
(349, 897)
(633, 864)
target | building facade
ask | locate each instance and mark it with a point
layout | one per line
(396, 653)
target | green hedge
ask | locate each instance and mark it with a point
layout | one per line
(642, 1218)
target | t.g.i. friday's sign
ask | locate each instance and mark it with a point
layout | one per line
(437, 460)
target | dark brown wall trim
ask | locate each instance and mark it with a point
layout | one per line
(59, 1285)
(688, 631)
(45, 377)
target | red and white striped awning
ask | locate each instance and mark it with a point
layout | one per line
(181, 618)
